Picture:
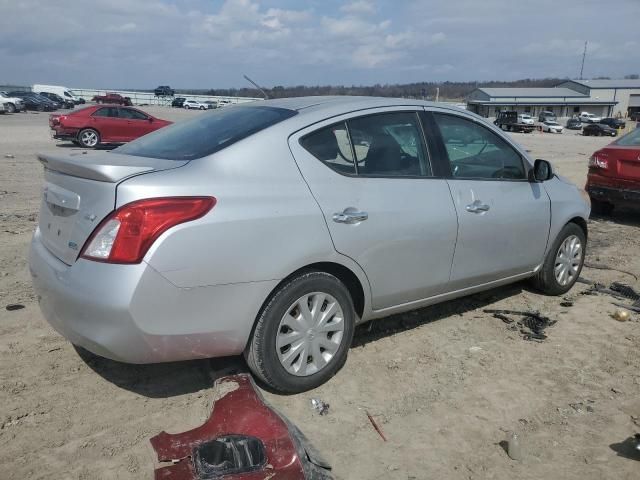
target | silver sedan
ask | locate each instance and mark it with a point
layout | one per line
(274, 228)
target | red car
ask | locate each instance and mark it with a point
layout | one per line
(98, 124)
(614, 174)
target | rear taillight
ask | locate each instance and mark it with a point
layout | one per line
(597, 160)
(126, 234)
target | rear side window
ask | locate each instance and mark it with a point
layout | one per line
(131, 114)
(631, 139)
(111, 112)
(205, 134)
(331, 146)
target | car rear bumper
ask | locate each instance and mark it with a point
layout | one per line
(613, 195)
(131, 313)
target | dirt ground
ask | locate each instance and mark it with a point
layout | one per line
(446, 384)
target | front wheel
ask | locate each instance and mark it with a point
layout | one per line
(303, 334)
(89, 138)
(563, 263)
(11, 108)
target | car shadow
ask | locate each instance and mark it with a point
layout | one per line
(622, 216)
(163, 380)
(402, 322)
(73, 146)
(626, 448)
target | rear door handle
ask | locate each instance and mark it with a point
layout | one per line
(350, 217)
(477, 207)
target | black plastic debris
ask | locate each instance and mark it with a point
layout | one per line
(530, 324)
(228, 455)
(14, 306)
(625, 290)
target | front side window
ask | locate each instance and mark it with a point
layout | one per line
(131, 114)
(389, 145)
(475, 152)
(331, 146)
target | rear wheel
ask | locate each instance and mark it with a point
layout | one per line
(11, 108)
(303, 334)
(89, 138)
(564, 261)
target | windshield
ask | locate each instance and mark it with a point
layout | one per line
(205, 134)
(631, 139)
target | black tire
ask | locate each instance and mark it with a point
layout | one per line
(261, 353)
(88, 144)
(600, 207)
(11, 108)
(545, 280)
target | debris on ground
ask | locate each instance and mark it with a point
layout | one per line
(581, 407)
(243, 438)
(532, 325)
(8, 155)
(514, 449)
(621, 315)
(625, 290)
(599, 266)
(375, 425)
(566, 303)
(14, 306)
(319, 406)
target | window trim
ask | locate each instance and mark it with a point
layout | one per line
(443, 150)
(417, 113)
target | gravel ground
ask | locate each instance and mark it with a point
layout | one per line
(446, 384)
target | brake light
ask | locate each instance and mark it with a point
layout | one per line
(598, 161)
(126, 234)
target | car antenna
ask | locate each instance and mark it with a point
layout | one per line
(266, 97)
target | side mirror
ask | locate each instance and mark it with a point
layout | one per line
(150, 119)
(542, 171)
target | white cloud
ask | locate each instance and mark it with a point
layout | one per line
(359, 6)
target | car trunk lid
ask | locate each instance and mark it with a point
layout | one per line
(80, 190)
(623, 162)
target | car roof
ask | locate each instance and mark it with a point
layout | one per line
(317, 108)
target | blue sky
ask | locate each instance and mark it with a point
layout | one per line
(204, 43)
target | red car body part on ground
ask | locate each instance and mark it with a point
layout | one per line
(243, 439)
(104, 124)
(614, 174)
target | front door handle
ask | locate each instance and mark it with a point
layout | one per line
(477, 207)
(350, 217)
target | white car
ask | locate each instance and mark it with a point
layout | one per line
(525, 119)
(552, 127)
(188, 104)
(12, 104)
(586, 117)
(3, 108)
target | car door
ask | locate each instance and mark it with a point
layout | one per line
(137, 123)
(386, 210)
(503, 218)
(105, 120)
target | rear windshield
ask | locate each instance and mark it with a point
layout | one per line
(631, 139)
(205, 134)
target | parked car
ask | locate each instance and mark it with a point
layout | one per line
(62, 92)
(598, 130)
(91, 126)
(35, 102)
(512, 121)
(211, 105)
(551, 127)
(614, 174)
(525, 119)
(586, 117)
(546, 115)
(58, 99)
(114, 98)
(635, 116)
(178, 102)
(614, 122)
(179, 245)
(12, 104)
(194, 104)
(164, 91)
(3, 108)
(574, 124)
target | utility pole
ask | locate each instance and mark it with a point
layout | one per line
(584, 54)
(437, 93)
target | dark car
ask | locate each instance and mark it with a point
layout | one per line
(574, 124)
(164, 91)
(91, 126)
(58, 99)
(599, 129)
(614, 174)
(211, 105)
(614, 122)
(34, 101)
(178, 102)
(546, 116)
(635, 116)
